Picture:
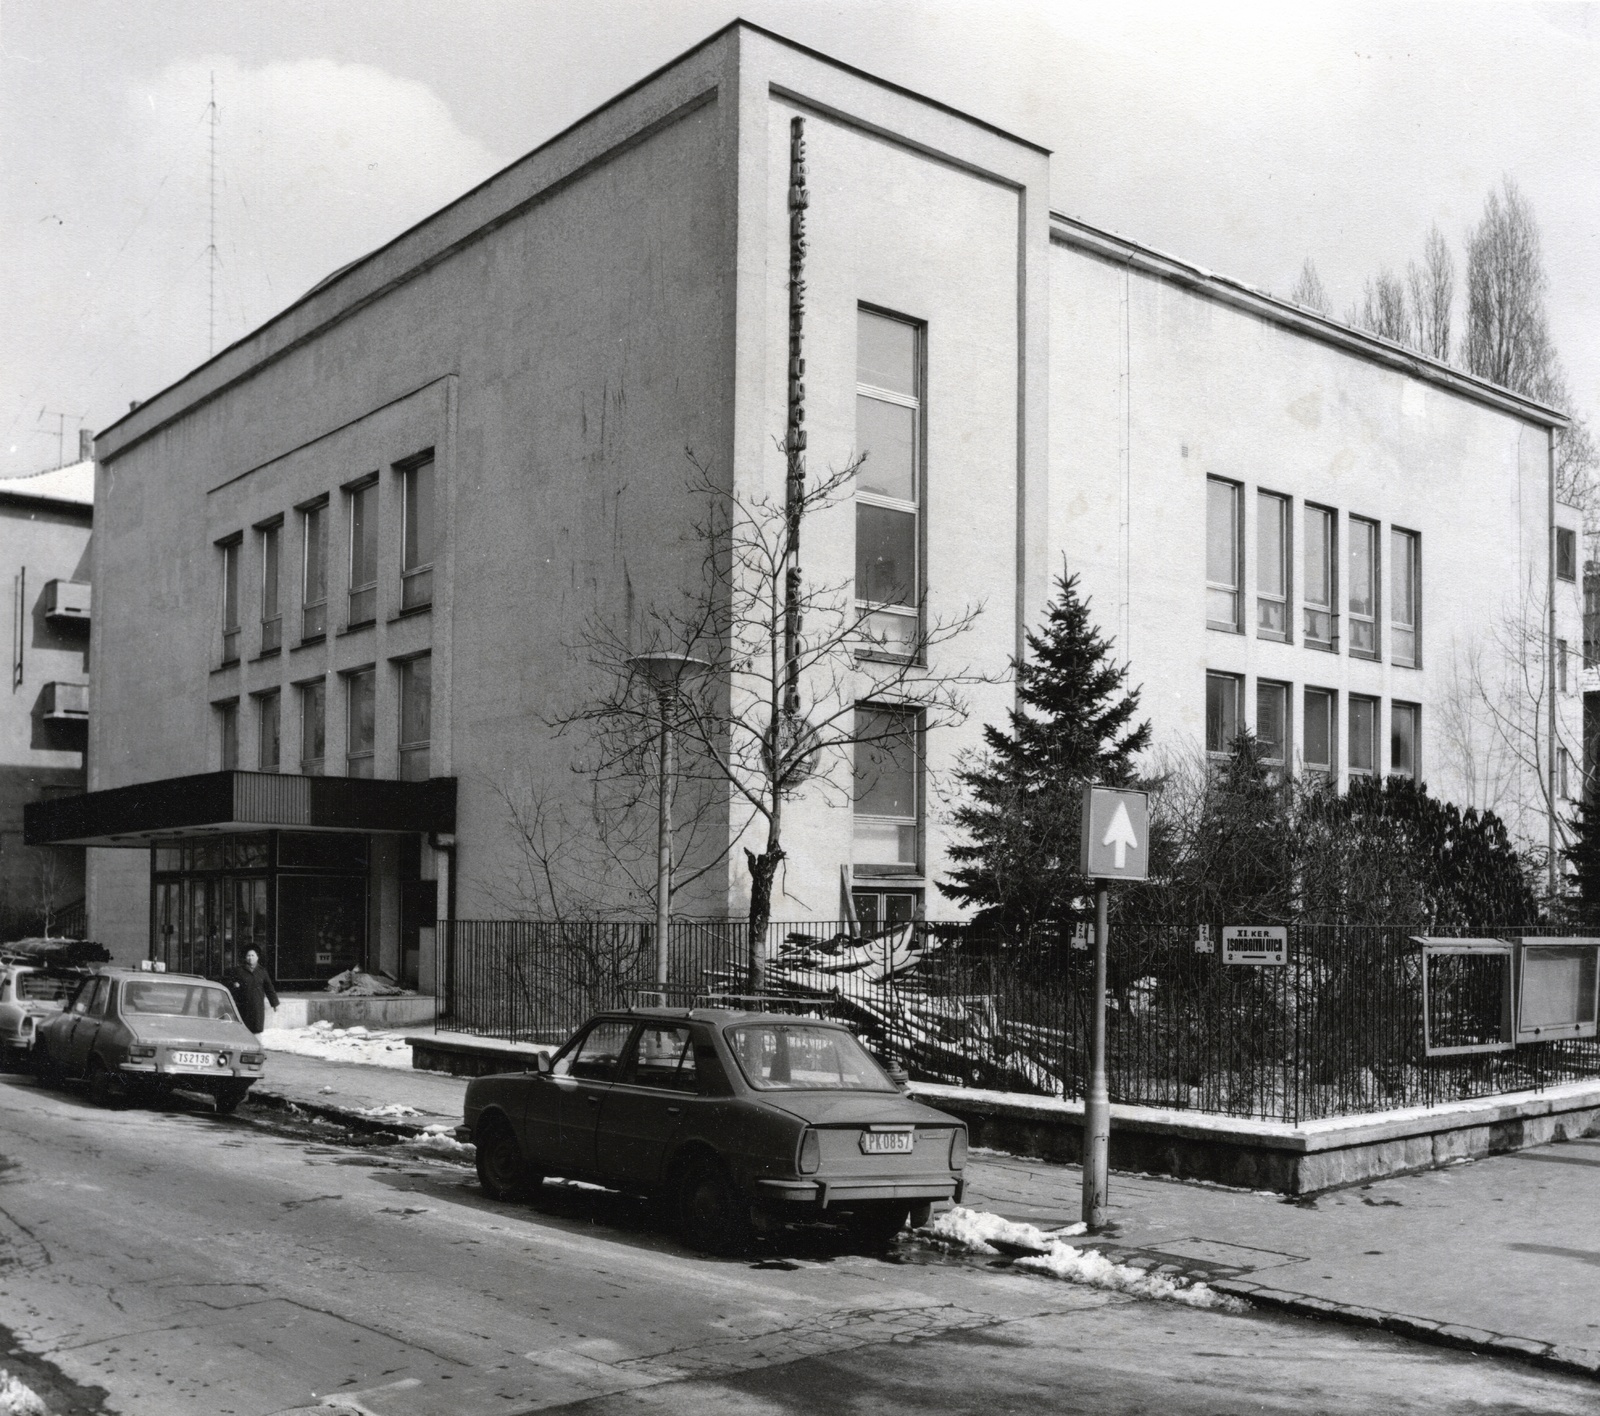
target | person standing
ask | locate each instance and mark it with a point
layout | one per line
(252, 988)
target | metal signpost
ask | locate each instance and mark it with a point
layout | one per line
(1115, 846)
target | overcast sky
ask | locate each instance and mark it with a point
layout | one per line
(1241, 137)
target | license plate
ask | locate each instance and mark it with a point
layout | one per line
(193, 1059)
(886, 1142)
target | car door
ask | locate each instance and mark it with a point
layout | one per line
(580, 1084)
(86, 1026)
(646, 1105)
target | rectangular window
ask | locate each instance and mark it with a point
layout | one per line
(416, 540)
(230, 601)
(271, 614)
(360, 726)
(228, 733)
(1317, 733)
(1564, 773)
(887, 790)
(1224, 561)
(888, 481)
(269, 723)
(1561, 665)
(1566, 553)
(313, 727)
(1272, 721)
(1404, 740)
(1363, 629)
(1363, 736)
(1405, 598)
(314, 582)
(1591, 619)
(1272, 566)
(416, 716)
(1222, 712)
(1321, 579)
(364, 554)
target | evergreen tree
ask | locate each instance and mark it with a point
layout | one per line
(1584, 853)
(1073, 723)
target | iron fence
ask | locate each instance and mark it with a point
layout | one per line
(1336, 1031)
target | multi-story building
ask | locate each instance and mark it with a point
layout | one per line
(347, 565)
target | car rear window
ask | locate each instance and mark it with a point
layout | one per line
(800, 1057)
(178, 1000)
(45, 988)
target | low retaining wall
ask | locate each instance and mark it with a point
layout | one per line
(463, 1055)
(1265, 1155)
(348, 1010)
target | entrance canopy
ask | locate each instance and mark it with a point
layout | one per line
(210, 802)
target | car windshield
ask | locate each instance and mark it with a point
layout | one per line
(37, 987)
(804, 1057)
(178, 1000)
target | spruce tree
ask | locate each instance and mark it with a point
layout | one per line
(1584, 853)
(1073, 723)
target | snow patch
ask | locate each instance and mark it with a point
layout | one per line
(389, 1111)
(438, 1140)
(976, 1230)
(358, 1044)
(16, 1399)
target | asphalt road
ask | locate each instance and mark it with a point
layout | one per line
(163, 1263)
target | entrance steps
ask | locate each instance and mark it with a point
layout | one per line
(348, 1010)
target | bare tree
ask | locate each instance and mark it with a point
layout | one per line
(1432, 289)
(1308, 289)
(1383, 310)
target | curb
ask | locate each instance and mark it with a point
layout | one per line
(354, 1120)
(1573, 1361)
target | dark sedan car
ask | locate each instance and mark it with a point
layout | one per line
(737, 1118)
(132, 1034)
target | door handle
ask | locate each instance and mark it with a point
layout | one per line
(674, 1111)
(592, 1100)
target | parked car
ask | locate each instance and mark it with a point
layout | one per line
(29, 993)
(133, 1034)
(738, 1119)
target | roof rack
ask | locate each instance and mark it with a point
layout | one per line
(766, 1003)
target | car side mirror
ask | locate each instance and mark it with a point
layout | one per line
(898, 1075)
(541, 1064)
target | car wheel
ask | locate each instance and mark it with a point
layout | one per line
(712, 1216)
(502, 1171)
(105, 1089)
(878, 1224)
(228, 1095)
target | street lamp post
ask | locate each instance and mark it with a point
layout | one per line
(664, 673)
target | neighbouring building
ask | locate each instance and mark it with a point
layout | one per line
(343, 566)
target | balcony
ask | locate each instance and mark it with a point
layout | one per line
(65, 703)
(66, 601)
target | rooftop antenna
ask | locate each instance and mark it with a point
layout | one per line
(211, 245)
(61, 430)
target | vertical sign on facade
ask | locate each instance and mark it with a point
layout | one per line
(794, 438)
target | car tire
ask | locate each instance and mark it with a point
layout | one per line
(502, 1170)
(105, 1089)
(878, 1224)
(712, 1215)
(228, 1095)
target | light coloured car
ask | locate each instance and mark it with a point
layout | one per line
(132, 1034)
(738, 1119)
(30, 993)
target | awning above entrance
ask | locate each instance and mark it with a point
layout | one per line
(214, 802)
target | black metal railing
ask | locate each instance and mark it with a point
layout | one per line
(1336, 1031)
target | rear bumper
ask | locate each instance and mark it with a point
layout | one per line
(168, 1072)
(824, 1194)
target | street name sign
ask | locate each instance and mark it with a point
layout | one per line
(1116, 834)
(1255, 944)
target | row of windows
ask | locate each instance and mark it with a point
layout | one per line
(415, 677)
(1320, 595)
(1317, 748)
(416, 479)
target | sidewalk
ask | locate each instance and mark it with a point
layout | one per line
(1499, 1255)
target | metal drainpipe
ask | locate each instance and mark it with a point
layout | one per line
(1550, 665)
(446, 843)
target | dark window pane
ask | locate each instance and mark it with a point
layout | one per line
(418, 548)
(363, 537)
(1403, 739)
(361, 728)
(1318, 730)
(1272, 711)
(886, 555)
(269, 706)
(1363, 734)
(886, 764)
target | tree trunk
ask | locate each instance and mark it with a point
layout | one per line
(763, 871)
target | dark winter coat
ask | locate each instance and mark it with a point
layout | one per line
(251, 989)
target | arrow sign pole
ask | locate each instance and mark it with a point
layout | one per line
(1097, 1105)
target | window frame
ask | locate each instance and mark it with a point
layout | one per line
(916, 736)
(271, 534)
(1286, 690)
(227, 734)
(1399, 630)
(1285, 600)
(1566, 554)
(412, 751)
(269, 704)
(1236, 682)
(313, 612)
(1330, 556)
(1329, 770)
(313, 691)
(908, 630)
(360, 762)
(416, 574)
(1400, 710)
(1372, 619)
(1363, 700)
(362, 602)
(1214, 587)
(231, 548)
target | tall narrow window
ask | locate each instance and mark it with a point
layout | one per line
(314, 582)
(1317, 733)
(1224, 561)
(1363, 588)
(888, 484)
(1320, 579)
(887, 790)
(1561, 665)
(1405, 598)
(1272, 566)
(1363, 736)
(364, 554)
(360, 725)
(1566, 553)
(1405, 734)
(271, 613)
(1272, 721)
(416, 717)
(228, 734)
(416, 539)
(269, 722)
(1222, 712)
(230, 601)
(313, 727)
(1564, 773)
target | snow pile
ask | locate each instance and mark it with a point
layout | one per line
(17, 1399)
(440, 1141)
(389, 1111)
(357, 1044)
(978, 1232)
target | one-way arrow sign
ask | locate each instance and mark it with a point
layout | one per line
(1116, 834)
